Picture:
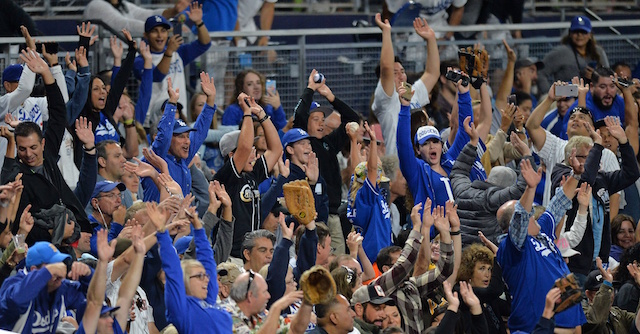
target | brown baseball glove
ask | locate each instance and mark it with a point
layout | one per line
(571, 292)
(466, 60)
(299, 199)
(318, 285)
(481, 67)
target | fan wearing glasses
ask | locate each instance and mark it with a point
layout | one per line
(190, 293)
(108, 211)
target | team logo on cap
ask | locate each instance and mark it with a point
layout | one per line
(427, 130)
(158, 19)
(181, 122)
(379, 290)
(301, 132)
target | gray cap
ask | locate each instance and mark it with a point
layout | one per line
(502, 176)
(229, 142)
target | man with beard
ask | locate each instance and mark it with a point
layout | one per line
(369, 302)
(602, 99)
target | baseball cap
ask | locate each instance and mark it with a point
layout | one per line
(179, 126)
(502, 176)
(107, 186)
(580, 23)
(228, 272)
(370, 294)
(425, 133)
(12, 73)
(314, 105)
(109, 309)
(326, 110)
(565, 249)
(526, 62)
(594, 280)
(182, 244)
(228, 142)
(154, 21)
(293, 135)
(44, 252)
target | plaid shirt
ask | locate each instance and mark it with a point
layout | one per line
(408, 292)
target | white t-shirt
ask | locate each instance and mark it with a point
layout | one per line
(132, 19)
(159, 92)
(386, 108)
(553, 152)
(247, 9)
(144, 315)
(66, 162)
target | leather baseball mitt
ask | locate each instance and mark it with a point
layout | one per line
(481, 68)
(299, 199)
(318, 285)
(571, 292)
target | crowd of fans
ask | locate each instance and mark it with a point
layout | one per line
(450, 209)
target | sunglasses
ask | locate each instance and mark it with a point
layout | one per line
(251, 276)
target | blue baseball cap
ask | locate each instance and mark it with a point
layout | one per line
(179, 126)
(107, 186)
(314, 105)
(12, 73)
(580, 23)
(293, 135)
(154, 21)
(43, 252)
(182, 244)
(109, 309)
(425, 133)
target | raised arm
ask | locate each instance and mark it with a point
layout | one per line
(424, 254)
(523, 210)
(630, 115)
(195, 15)
(432, 70)
(245, 139)
(386, 56)
(132, 279)
(536, 132)
(274, 145)
(507, 80)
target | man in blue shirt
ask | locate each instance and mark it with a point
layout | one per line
(554, 119)
(177, 143)
(108, 211)
(603, 99)
(530, 260)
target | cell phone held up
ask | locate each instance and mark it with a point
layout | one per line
(270, 86)
(566, 90)
(408, 94)
(455, 76)
(512, 99)
(51, 47)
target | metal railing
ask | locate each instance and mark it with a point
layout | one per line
(349, 67)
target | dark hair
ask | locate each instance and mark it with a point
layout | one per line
(101, 148)
(239, 85)
(592, 50)
(396, 59)
(453, 63)
(392, 330)
(384, 256)
(472, 254)
(25, 129)
(616, 225)
(345, 279)
(322, 310)
(621, 63)
(601, 71)
(321, 230)
(629, 256)
(250, 240)
(521, 97)
(336, 261)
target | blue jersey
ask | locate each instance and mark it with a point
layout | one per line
(530, 271)
(105, 130)
(370, 212)
(553, 123)
(616, 110)
(115, 326)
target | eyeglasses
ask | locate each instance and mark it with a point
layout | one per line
(251, 276)
(291, 282)
(113, 196)
(200, 276)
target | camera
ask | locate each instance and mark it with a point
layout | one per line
(455, 76)
(624, 82)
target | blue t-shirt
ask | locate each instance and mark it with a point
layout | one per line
(553, 123)
(219, 15)
(530, 273)
(116, 328)
(617, 110)
(105, 130)
(373, 217)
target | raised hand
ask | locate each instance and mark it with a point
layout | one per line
(470, 129)
(81, 57)
(634, 271)
(584, 194)
(550, 302)
(33, 61)
(106, 249)
(519, 144)
(87, 30)
(214, 202)
(325, 91)
(141, 169)
(615, 129)
(51, 58)
(427, 218)
(452, 297)
(127, 36)
(26, 221)
(593, 134)
(156, 215)
(354, 241)
(78, 269)
(283, 167)
(415, 217)
(441, 222)
(11, 120)
(195, 12)
(462, 88)
(531, 176)
(287, 231)
(155, 160)
(27, 38)
(193, 217)
(272, 99)
(208, 87)
(507, 117)
(171, 206)
(401, 92)
(174, 95)
(575, 164)
(511, 55)
(222, 194)
(488, 242)
(470, 298)
(116, 49)
(370, 132)
(170, 185)
(384, 26)
(6, 134)
(145, 52)
(71, 65)
(451, 210)
(423, 30)
(583, 88)
(173, 44)
(311, 83)
(84, 132)
(311, 169)
(606, 273)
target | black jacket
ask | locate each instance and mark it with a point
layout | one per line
(38, 190)
(329, 146)
(603, 184)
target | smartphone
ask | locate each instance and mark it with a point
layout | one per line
(51, 47)
(592, 64)
(271, 86)
(512, 99)
(407, 95)
(566, 90)
(177, 27)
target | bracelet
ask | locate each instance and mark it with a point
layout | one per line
(53, 65)
(575, 176)
(243, 116)
(200, 24)
(88, 149)
(165, 55)
(11, 264)
(454, 233)
(172, 103)
(132, 124)
(266, 117)
(128, 121)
